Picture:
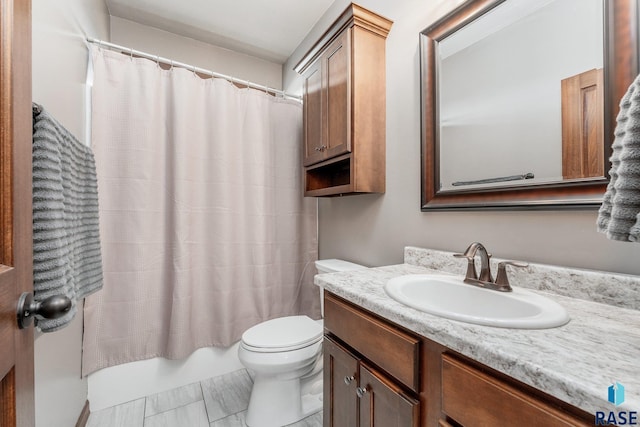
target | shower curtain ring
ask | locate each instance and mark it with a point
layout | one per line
(158, 61)
(131, 53)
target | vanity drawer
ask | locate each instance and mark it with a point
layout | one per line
(391, 349)
(474, 398)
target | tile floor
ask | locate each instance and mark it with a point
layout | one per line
(217, 402)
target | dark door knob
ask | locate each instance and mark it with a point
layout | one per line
(51, 308)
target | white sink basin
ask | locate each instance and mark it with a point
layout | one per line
(448, 296)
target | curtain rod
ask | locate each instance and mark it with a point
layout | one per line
(158, 59)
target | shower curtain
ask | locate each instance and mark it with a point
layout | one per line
(204, 228)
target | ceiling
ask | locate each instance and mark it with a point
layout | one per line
(268, 29)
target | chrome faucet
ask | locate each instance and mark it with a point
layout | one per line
(485, 280)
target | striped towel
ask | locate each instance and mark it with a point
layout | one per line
(619, 215)
(66, 240)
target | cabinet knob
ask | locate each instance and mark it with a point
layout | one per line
(349, 379)
(361, 391)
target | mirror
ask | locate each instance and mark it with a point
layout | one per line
(519, 100)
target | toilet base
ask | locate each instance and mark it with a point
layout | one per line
(271, 404)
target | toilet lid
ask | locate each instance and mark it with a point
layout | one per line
(283, 333)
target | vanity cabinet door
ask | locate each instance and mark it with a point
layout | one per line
(384, 403)
(358, 395)
(340, 383)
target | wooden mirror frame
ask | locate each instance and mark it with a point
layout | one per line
(621, 66)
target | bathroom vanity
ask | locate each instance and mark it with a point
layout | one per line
(381, 374)
(388, 364)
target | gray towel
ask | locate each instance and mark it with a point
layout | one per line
(619, 215)
(66, 241)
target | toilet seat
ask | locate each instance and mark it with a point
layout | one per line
(282, 334)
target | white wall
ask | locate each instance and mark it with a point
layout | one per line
(373, 229)
(59, 72)
(183, 49)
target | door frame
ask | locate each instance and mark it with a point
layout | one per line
(16, 254)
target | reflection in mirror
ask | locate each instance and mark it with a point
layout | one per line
(505, 118)
(519, 99)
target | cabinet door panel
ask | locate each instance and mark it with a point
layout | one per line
(369, 336)
(338, 91)
(340, 400)
(313, 123)
(385, 404)
(476, 399)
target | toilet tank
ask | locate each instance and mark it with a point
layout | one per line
(333, 266)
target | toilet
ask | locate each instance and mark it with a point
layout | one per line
(285, 355)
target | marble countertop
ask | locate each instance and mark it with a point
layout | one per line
(575, 363)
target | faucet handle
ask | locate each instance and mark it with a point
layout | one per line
(501, 276)
(463, 256)
(469, 256)
(471, 265)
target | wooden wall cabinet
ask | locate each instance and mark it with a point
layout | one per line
(407, 381)
(345, 106)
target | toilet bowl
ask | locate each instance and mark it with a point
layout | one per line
(280, 352)
(285, 355)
